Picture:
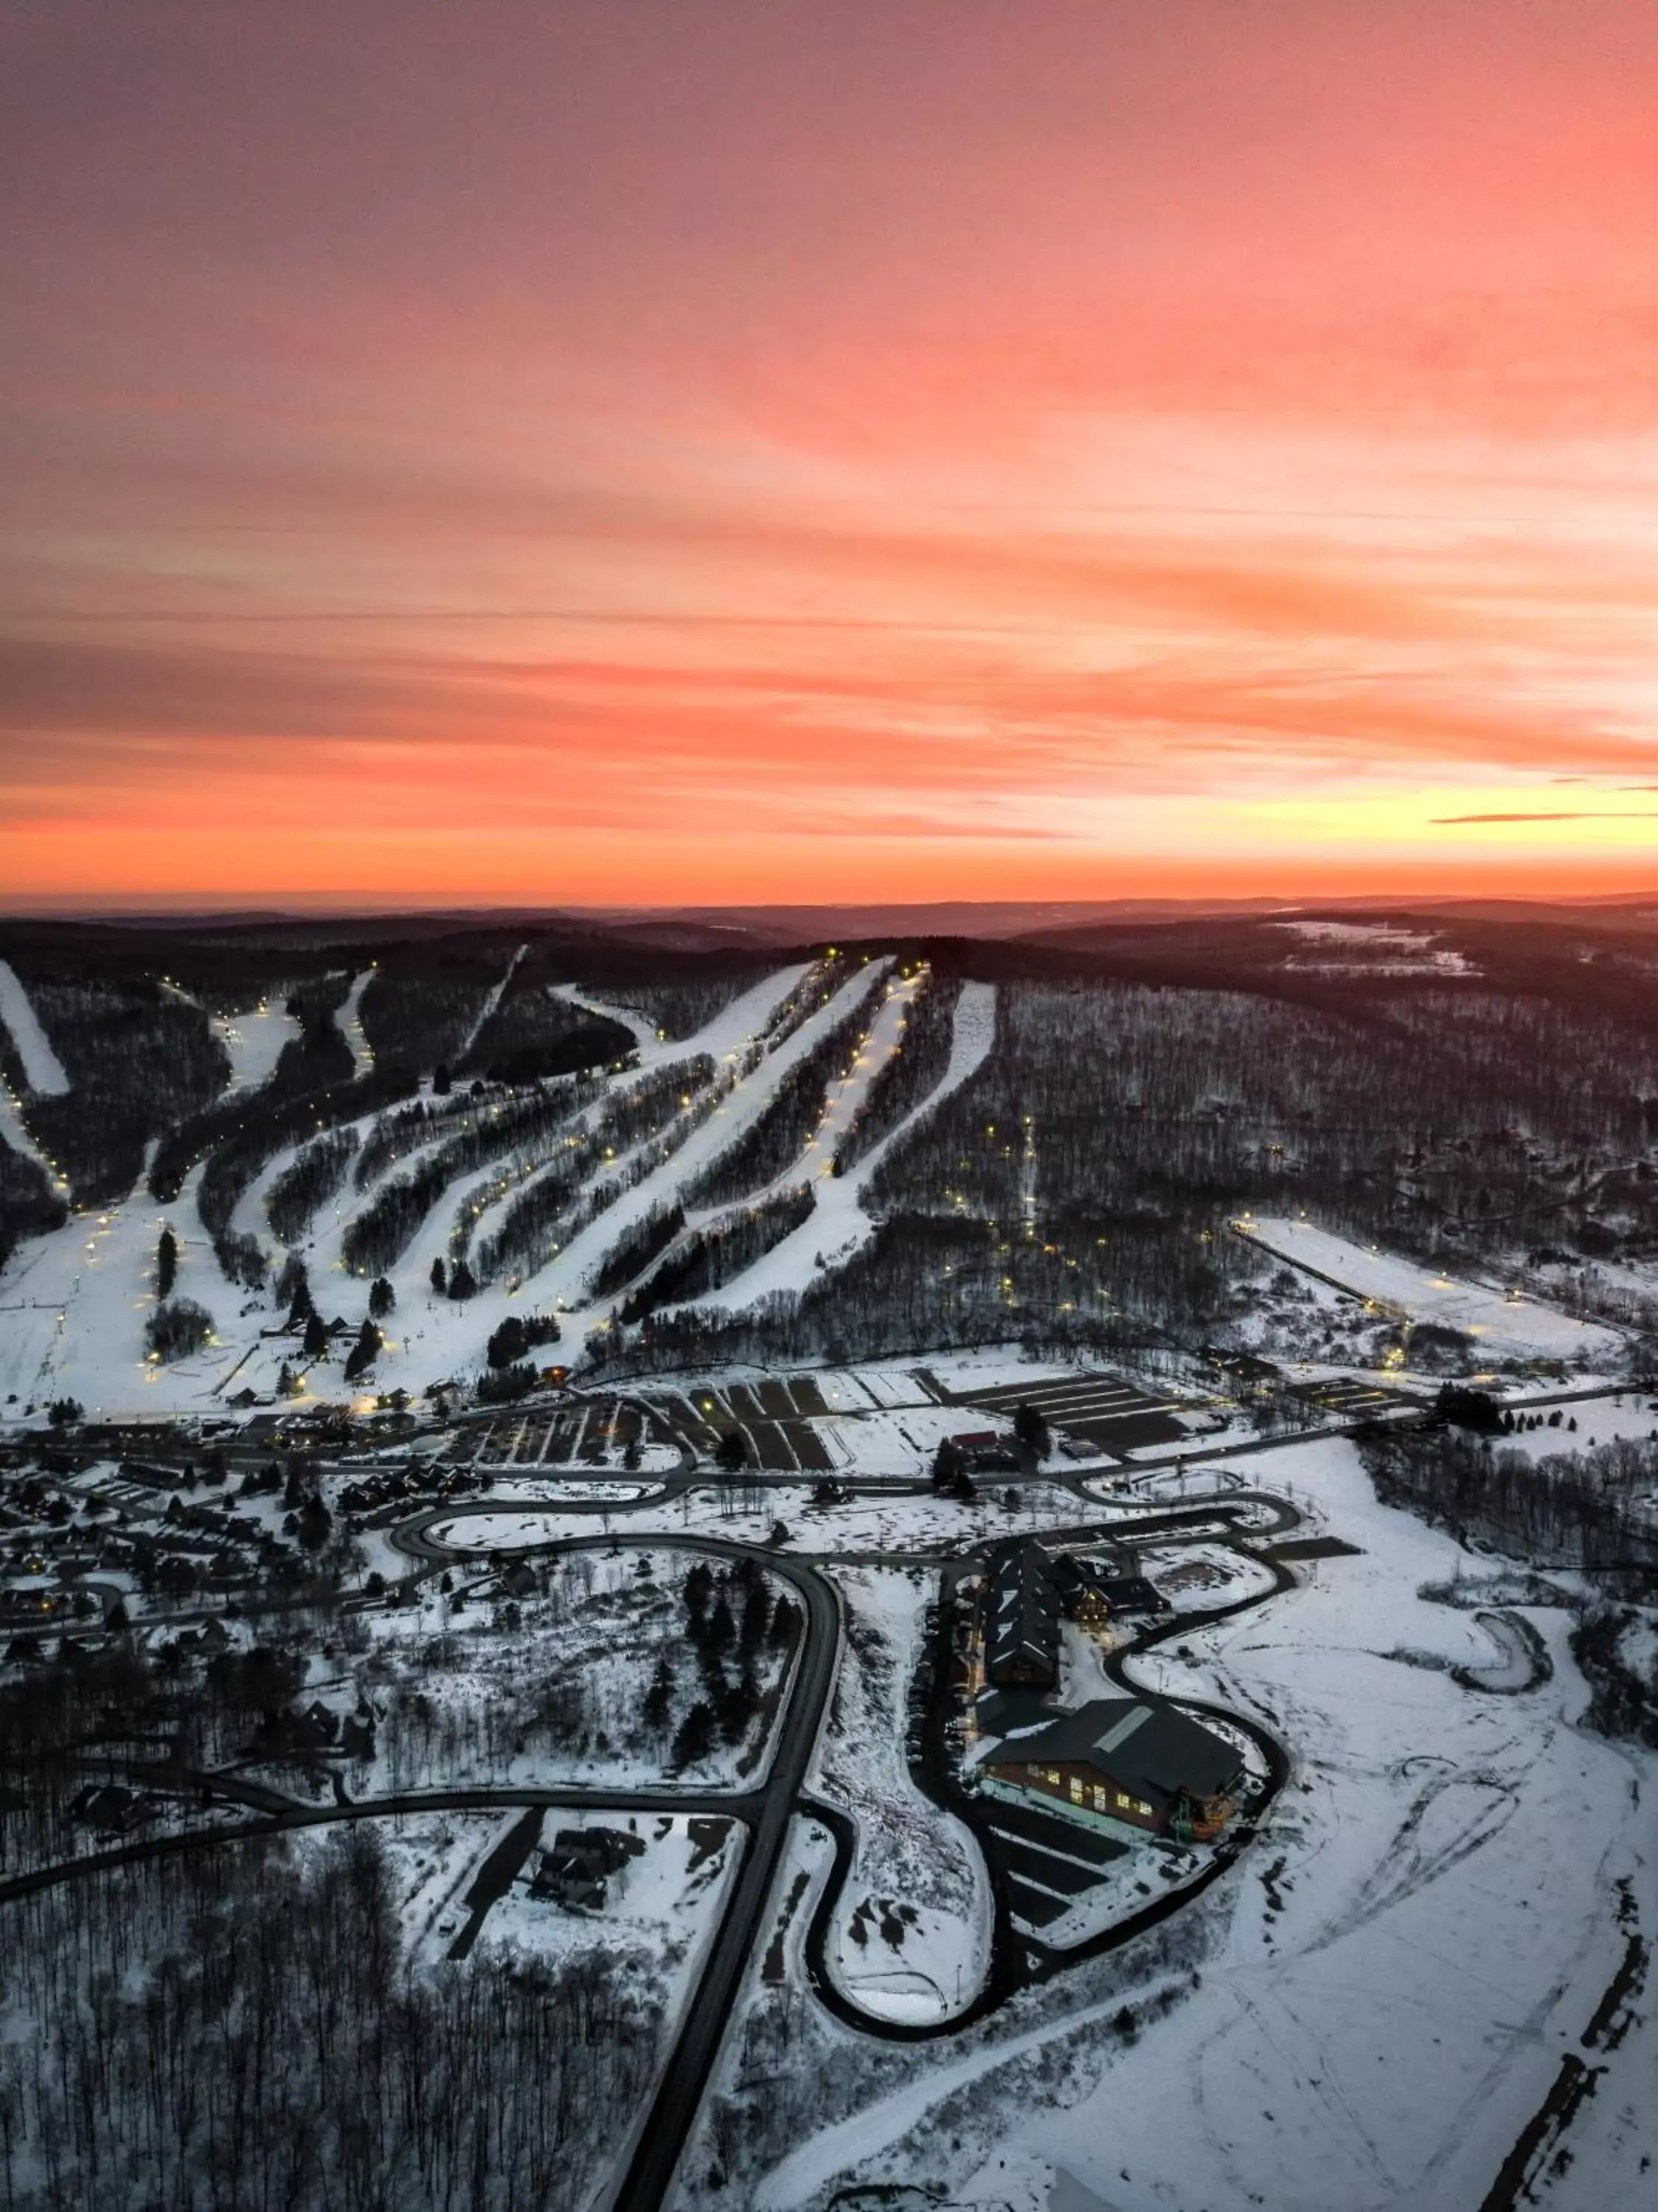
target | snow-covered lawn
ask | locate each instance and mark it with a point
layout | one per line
(1505, 1328)
(1197, 1577)
(1621, 1416)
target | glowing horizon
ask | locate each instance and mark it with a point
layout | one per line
(737, 455)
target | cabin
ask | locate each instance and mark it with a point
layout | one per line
(1139, 1762)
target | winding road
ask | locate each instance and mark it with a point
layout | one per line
(762, 1812)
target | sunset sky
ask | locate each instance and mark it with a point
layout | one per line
(641, 452)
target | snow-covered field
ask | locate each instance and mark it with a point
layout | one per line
(1506, 1327)
(1400, 1963)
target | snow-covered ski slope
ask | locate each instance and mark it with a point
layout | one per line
(839, 1223)
(255, 1041)
(75, 1303)
(42, 1069)
(1505, 1326)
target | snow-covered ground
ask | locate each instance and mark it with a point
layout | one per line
(1504, 1326)
(911, 1940)
(492, 1000)
(839, 1224)
(73, 1308)
(349, 1022)
(42, 1069)
(1621, 1416)
(924, 1525)
(1399, 1963)
(255, 1041)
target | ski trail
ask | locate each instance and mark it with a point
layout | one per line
(43, 1071)
(487, 1009)
(562, 1281)
(350, 1021)
(839, 1223)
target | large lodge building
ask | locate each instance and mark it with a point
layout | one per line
(1142, 1762)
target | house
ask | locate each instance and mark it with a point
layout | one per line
(1139, 1762)
(576, 1873)
(1132, 1593)
(1083, 1584)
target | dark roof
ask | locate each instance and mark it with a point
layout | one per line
(1130, 1594)
(1022, 1611)
(1149, 1746)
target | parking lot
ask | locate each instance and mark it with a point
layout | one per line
(1102, 1410)
(594, 1433)
(1049, 1861)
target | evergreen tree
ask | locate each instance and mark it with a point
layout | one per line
(316, 1523)
(658, 1705)
(694, 1737)
(316, 1336)
(381, 1297)
(1031, 1428)
(365, 1352)
(167, 1263)
(461, 1282)
(439, 1276)
(756, 1618)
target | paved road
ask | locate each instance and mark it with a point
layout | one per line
(664, 2128)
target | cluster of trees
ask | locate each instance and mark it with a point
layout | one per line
(531, 1035)
(308, 1182)
(1624, 1696)
(421, 1001)
(635, 1249)
(1581, 1510)
(815, 988)
(138, 1060)
(177, 1328)
(912, 1073)
(381, 1232)
(730, 1621)
(679, 1005)
(573, 1190)
(28, 1204)
(1154, 1291)
(520, 1334)
(318, 1058)
(774, 1142)
(239, 1139)
(719, 1253)
(241, 2028)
